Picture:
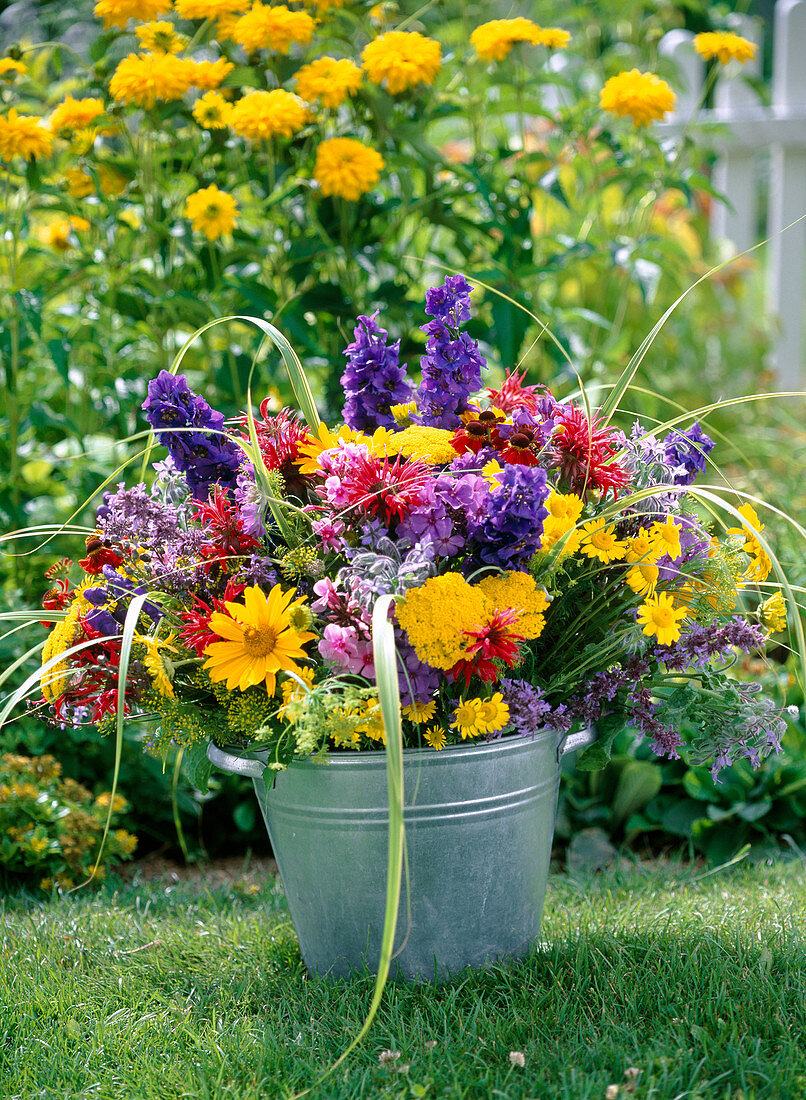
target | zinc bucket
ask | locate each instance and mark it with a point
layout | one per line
(479, 823)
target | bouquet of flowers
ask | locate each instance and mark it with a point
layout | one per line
(548, 570)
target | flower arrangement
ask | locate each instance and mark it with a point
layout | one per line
(548, 571)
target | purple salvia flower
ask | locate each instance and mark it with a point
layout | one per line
(373, 380)
(527, 705)
(204, 456)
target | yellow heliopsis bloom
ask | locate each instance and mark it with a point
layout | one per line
(160, 36)
(557, 529)
(642, 578)
(9, 68)
(142, 79)
(209, 74)
(75, 114)
(467, 718)
(664, 538)
(328, 79)
(599, 541)
(660, 618)
(725, 47)
(495, 40)
(79, 183)
(760, 564)
(494, 713)
(346, 168)
(642, 97)
(435, 737)
(772, 613)
(432, 445)
(23, 136)
(211, 212)
(117, 13)
(212, 111)
(57, 234)
(262, 115)
(400, 60)
(258, 640)
(274, 27)
(420, 712)
(209, 9)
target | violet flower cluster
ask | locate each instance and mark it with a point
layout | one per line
(374, 380)
(452, 365)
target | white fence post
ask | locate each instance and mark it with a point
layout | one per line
(787, 284)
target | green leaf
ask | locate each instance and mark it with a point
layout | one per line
(598, 754)
(196, 765)
(638, 783)
(244, 816)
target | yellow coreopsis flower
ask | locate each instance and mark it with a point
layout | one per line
(211, 211)
(262, 115)
(494, 713)
(664, 538)
(346, 168)
(643, 97)
(400, 60)
(143, 79)
(642, 578)
(117, 13)
(258, 640)
(420, 712)
(160, 36)
(212, 111)
(75, 114)
(209, 9)
(660, 618)
(79, 183)
(9, 68)
(23, 136)
(274, 27)
(725, 47)
(496, 39)
(328, 79)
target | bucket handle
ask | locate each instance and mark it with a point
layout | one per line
(579, 740)
(236, 765)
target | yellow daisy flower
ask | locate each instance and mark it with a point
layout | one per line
(760, 564)
(496, 39)
(467, 718)
(725, 47)
(642, 578)
(258, 640)
(209, 9)
(642, 97)
(420, 712)
(400, 60)
(435, 737)
(664, 538)
(142, 79)
(660, 618)
(160, 36)
(158, 664)
(273, 27)
(262, 115)
(212, 111)
(347, 168)
(600, 542)
(640, 548)
(402, 413)
(772, 613)
(567, 506)
(23, 136)
(117, 13)
(494, 713)
(329, 80)
(75, 114)
(209, 74)
(9, 68)
(211, 211)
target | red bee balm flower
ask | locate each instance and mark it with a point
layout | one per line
(495, 640)
(514, 395)
(585, 455)
(386, 489)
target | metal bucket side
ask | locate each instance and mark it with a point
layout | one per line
(479, 825)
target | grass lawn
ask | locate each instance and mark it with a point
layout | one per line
(652, 979)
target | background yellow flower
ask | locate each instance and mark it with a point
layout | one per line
(643, 97)
(400, 60)
(211, 211)
(347, 168)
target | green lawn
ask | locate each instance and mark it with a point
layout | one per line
(164, 991)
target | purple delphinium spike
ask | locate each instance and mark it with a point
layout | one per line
(686, 451)
(204, 456)
(373, 380)
(452, 365)
(509, 532)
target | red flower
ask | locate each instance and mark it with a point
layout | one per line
(383, 488)
(98, 555)
(493, 641)
(476, 433)
(279, 439)
(514, 395)
(584, 453)
(196, 634)
(221, 521)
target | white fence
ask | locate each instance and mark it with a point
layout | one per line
(759, 141)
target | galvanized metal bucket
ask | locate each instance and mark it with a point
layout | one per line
(479, 825)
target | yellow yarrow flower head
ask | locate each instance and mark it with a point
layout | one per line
(772, 613)
(209, 9)
(211, 211)
(10, 69)
(436, 614)
(516, 589)
(142, 79)
(75, 114)
(329, 80)
(496, 39)
(262, 115)
(725, 47)
(467, 718)
(209, 74)
(23, 136)
(212, 111)
(346, 168)
(435, 737)
(643, 97)
(273, 27)
(160, 36)
(117, 13)
(599, 541)
(660, 618)
(431, 445)
(400, 60)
